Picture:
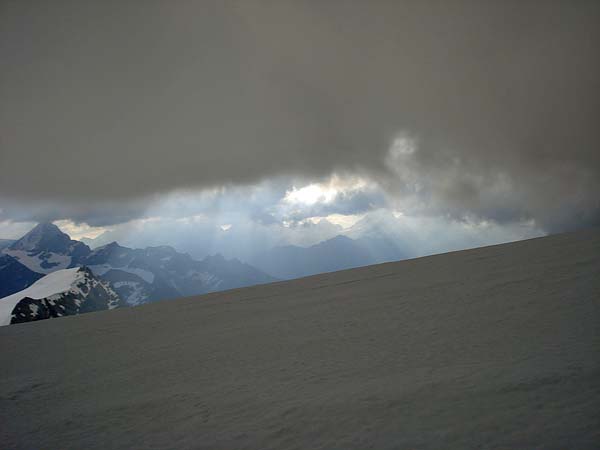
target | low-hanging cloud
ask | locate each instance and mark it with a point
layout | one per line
(112, 104)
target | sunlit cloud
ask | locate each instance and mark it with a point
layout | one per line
(311, 194)
(345, 221)
(243, 221)
(326, 191)
(79, 231)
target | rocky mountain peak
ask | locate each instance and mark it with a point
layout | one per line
(42, 237)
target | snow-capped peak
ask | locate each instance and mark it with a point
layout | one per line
(67, 289)
(46, 249)
(42, 233)
(53, 283)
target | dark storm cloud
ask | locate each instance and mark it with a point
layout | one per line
(109, 102)
(95, 214)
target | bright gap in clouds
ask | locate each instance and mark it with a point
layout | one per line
(311, 194)
(247, 221)
(343, 220)
(79, 231)
(325, 191)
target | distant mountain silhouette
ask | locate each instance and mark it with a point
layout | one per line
(334, 254)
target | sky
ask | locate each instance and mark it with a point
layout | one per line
(288, 122)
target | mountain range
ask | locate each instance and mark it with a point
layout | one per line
(337, 253)
(136, 276)
(156, 273)
(139, 276)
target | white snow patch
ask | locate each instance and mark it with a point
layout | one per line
(34, 309)
(101, 269)
(145, 275)
(209, 279)
(34, 262)
(53, 283)
(137, 295)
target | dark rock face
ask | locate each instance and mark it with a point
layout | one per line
(14, 276)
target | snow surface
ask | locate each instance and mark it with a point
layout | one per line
(493, 348)
(53, 283)
(101, 269)
(33, 262)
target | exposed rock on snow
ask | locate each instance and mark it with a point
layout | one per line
(61, 293)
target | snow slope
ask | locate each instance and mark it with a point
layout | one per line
(102, 269)
(53, 283)
(492, 348)
(62, 293)
(36, 262)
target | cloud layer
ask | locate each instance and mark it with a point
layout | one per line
(104, 105)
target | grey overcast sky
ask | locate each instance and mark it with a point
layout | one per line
(454, 108)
